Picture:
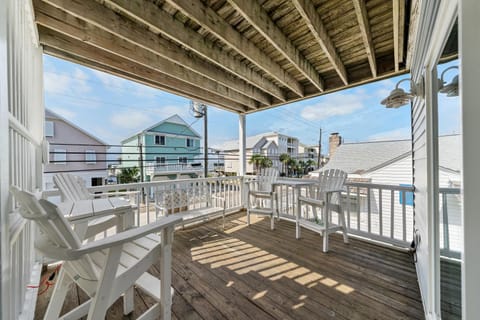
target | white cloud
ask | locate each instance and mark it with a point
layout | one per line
(66, 113)
(65, 83)
(333, 105)
(131, 120)
(395, 134)
(141, 119)
(109, 80)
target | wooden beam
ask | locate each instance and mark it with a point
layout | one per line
(315, 24)
(62, 22)
(160, 21)
(68, 48)
(396, 17)
(215, 24)
(253, 12)
(363, 23)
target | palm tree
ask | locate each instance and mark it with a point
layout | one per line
(302, 166)
(284, 157)
(265, 162)
(256, 159)
(128, 175)
(291, 166)
(311, 164)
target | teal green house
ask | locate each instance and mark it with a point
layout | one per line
(168, 149)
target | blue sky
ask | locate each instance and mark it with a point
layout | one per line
(112, 109)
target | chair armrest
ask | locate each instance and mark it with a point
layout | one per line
(125, 236)
(114, 194)
(311, 201)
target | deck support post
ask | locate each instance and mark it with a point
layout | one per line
(242, 145)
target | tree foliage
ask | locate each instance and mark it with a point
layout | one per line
(129, 175)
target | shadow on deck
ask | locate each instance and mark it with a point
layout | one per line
(254, 273)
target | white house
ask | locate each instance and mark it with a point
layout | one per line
(270, 144)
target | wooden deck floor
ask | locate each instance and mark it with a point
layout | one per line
(254, 273)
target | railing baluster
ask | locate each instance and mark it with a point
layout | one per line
(392, 211)
(404, 215)
(348, 207)
(369, 211)
(380, 212)
(358, 208)
(446, 236)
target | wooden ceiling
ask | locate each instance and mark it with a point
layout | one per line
(239, 55)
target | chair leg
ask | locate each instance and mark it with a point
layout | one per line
(325, 241)
(272, 222)
(62, 286)
(248, 217)
(341, 217)
(128, 304)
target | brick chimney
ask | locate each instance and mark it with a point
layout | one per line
(333, 142)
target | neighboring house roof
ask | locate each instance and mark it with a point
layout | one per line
(49, 114)
(173, 119)
(268, 144)
(362, 157)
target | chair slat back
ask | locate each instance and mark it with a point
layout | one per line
(71, 187)
(329, 180)
(56, 237)
(266, 177)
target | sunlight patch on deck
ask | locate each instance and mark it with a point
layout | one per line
(242, 257)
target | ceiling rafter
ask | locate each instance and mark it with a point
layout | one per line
(160, 21)
(56, 19)
(253, 12)
(316, 26)
(398, 31)
(215, 24)
(363, 23)
(61, 45)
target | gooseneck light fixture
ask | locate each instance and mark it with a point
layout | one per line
(451, 89)
(398, 97)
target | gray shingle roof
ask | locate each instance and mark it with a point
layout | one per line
(366, 156)
(363, 156)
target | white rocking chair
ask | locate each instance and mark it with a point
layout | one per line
(262, 196)
(72, 188)
(104, 269)
(324, 195)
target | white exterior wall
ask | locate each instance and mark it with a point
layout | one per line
(21, 131)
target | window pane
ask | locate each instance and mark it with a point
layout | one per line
(59, 156)
(49, 129)
(90, 157)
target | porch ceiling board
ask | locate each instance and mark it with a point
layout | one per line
(215, 51)
(66, 48)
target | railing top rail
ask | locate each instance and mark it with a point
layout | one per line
(380, 186)
(449, 190)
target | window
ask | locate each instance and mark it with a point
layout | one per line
(59, 156)
(49, 128)
(182, 160)
(97, 181)
(160, 140)
(190, 142)
(160, 160)
(90, 157)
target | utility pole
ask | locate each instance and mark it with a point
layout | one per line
(319, 149)
(205, 141)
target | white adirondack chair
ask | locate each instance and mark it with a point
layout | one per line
(325, 195)
(104, 269)
(261, 195)
(73, 188)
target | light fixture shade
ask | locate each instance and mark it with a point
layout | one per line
(451, 89)
(397, 98)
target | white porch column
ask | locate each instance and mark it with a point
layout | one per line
(242, 155)
(469, 42)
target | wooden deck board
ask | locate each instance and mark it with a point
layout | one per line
(255, 273)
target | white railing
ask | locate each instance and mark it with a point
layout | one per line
(377, 212)
(172, 167)
(229, 188)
